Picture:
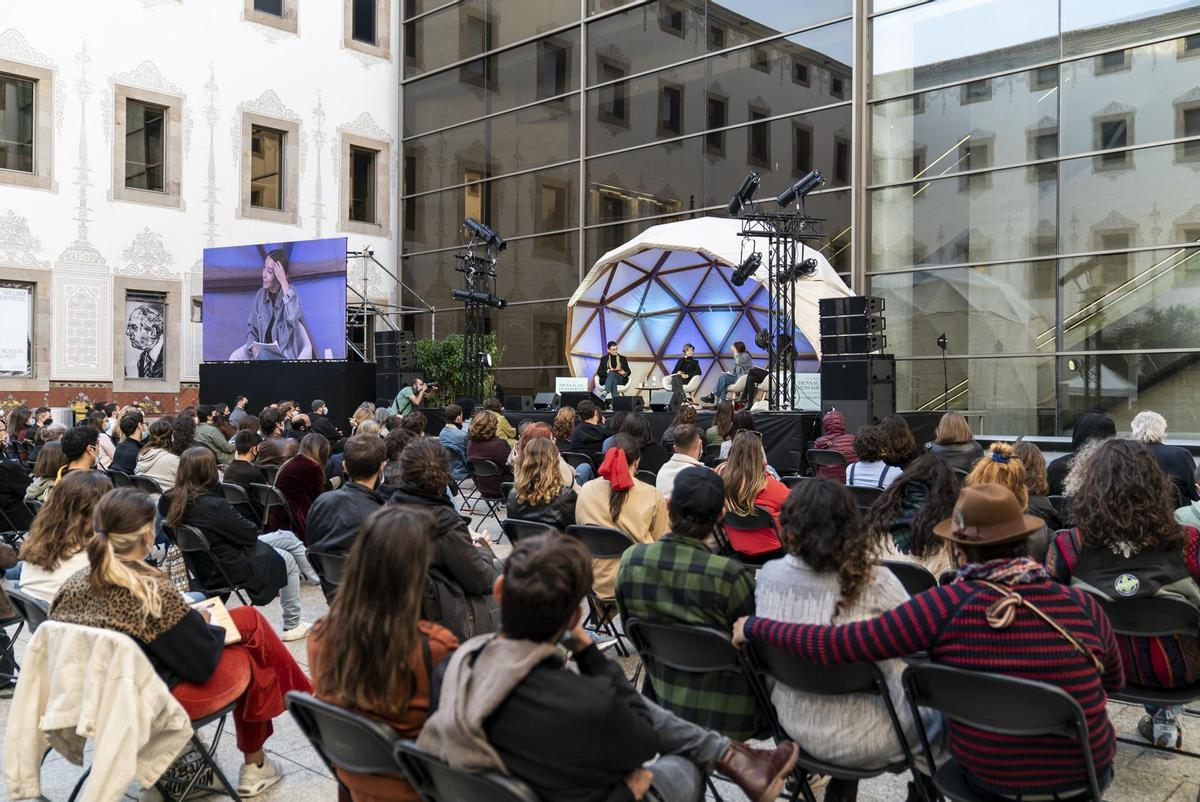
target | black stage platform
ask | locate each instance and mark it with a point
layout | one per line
(341, 385)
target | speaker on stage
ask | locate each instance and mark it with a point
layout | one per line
(573, 399)
(517, 403)
(862, 388)
(545, 401)
(628, 403)
(660, 400)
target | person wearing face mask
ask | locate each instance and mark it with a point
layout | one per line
(274, 329)
(334, 518)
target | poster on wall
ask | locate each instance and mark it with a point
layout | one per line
(145, 338)
(275, 300)
(16, 306)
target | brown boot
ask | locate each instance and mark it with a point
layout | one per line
(761, 773)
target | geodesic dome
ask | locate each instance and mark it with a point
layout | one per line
(672, 285)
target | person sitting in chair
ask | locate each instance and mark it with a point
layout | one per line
(274, 329)
(613, 371)
(686, 369)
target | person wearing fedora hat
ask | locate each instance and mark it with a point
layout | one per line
(1002, 614)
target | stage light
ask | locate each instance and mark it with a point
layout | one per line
(942, 342)
(763, 339)
(801, 188)
(744, 194)
(473, 296)
(747, 269)
(798, 271)
(484, 233)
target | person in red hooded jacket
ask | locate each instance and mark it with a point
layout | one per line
(836, 438)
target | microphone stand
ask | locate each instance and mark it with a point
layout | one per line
(942, 342)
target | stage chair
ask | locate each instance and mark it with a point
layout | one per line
(267, 497)
(690, 387)
(915, 578)
(791, 481)
(602, 543)
(328, 566)
(237, 496)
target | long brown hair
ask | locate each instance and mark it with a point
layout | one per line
(370, 636)
(745, 472)
(819, 523)
(633, 452)
(1125, 499)
(197, 474)
(899, 445)
(538, 480)
(723, 418)
(931, 476)
(1034, 461)
(64, 526)
(564, 424)
(1000, 466)
(118, 522)
(50, 460)
(160, 434)
(953, 429)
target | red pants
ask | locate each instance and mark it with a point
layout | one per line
(256, 674)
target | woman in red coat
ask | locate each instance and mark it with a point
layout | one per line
(748, 484)
(300, 480)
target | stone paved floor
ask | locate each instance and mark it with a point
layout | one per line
(1142, 775)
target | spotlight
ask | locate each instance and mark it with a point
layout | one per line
(763, 339)
(942, 342)
(475, 297)
(485, 359)
(744, 194)
(798, 271)
(747, 269)
(484, 233)
(801, 188)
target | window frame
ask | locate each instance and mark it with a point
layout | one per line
(163, 113)
(42, 176)
(382, 46)
(280, 172)
(965, 96)
(373, 189)
(1107, 162)
(715, 141)
(171, 195)
(758, 124)
(288, 23)
(665, 9)
(807, 80)
(563, 76)
(1181, 149)
(619, 89)
(1100, 68)
(799, 170)
(289, 214)
(554, 246)
(382, 227)
(662, 129)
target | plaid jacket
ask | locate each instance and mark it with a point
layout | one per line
(677, 580)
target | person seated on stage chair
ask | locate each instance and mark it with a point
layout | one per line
(613, 372)
(902, 519)
(871, 470)
(689, 446)
(830, 575)
(534, 430)
(588, 436)
(239, 410)
(119, 591)
(574, 737)
(81, 446)
(901, 448)
(484, 444)
(274, 329)
(243, 470)
(275, 449)
(686, 369)
(679, 580)
(1001, 466)
(955, 442)
(323, 426)
(749, 485)
(742, 362)
(297, 426)
(541, 491)
(990, 619)
(504, 429)
(743, 421)
(409, 398)
(50, 461)
(334, 518)
(374, 652)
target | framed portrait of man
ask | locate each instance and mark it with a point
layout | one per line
(145, 336)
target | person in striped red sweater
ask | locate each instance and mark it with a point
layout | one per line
(982, 622)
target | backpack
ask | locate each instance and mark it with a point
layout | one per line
(1112, 577)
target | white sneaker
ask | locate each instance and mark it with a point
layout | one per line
(298, 632)
(253, 780)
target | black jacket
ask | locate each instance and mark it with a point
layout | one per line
(602, 368)
(125, 455)
(559, 513)
(1042, 508)
(334, 518)
(323, 426)
(688, 366)
(246, 560)
(461, 575)
(587, 439)
(13, 481)
(959, 456)
(1089, 426)
(1177, 464)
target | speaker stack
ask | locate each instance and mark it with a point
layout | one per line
(395, 362)
(856, 378)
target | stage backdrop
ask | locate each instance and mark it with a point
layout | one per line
(271, 301)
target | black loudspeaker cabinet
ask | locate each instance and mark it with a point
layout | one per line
(855, 324)
(545, 401)
(518, 403)
(573, 399)
(628, 403)
(387, 383)
(394, 350)
(853, 305)
(862, 388)
(853, 343)
(660, 400)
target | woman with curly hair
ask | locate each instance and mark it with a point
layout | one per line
(749, 486)
(829, 576)
(900, 447)
(686, 416)
(56, 546)
(902, 519)
(540, 492)
(1126, 543)
(564, 427)
(483, 443)
(531, 431)
(1036, 484)
(871, 469)
(1000, 466)
(722, 422)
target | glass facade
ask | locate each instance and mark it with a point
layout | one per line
(1018, 170)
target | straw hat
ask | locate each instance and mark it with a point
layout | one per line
(987, 515)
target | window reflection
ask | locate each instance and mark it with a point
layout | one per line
(999, 396)
(1122, 385)
(1090, 25)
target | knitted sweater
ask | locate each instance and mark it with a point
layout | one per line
(950, 624)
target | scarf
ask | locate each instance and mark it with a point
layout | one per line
(615, 469)
(901, 528)
(1015, 571)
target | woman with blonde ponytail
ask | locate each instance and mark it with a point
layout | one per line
(1000, 466)
(119, 591)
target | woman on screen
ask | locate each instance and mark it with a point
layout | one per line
(274, 329)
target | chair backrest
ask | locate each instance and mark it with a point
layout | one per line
(34, 611)
(575, 459)
(649, 477)
(190, 540)
(145, 484)
(269, 471)
(118, 478)
(484, 467)
(814, 678)
(864, 496)
(712, 452)
(34, 506)
(328, 565)
(758, 519)
(506, 488)
(791, 481)
(685, 647)
(344, 738)
(268, 496)
(436, 781)
(602, 542)
(1000, 704)
(915, 578)
(236, 495)
(1152, 616)
(825, 457)
(517, 528)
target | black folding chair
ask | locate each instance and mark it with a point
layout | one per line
(329, 567)
(1062, 505)
(208, 755)
(516, 528)
(268, 496)
(1153, 617)
(270, 472)
(792, 481)
(27, 612)
(712, 453)
(34, 506)
(603, 543)
(575, 459)
(118, 478)
(994, 703)
(486, 469)
(505, 489)
(915, 578)
(824, 458)
(345, 739)
(436, 781)
(757, 520)
(839, 680)
(236, 495)
(145, 484)
(649, 477)
(192, 543)
(864, 496)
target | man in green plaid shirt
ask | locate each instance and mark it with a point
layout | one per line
(678, 580)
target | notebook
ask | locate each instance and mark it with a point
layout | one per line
(220, 618)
